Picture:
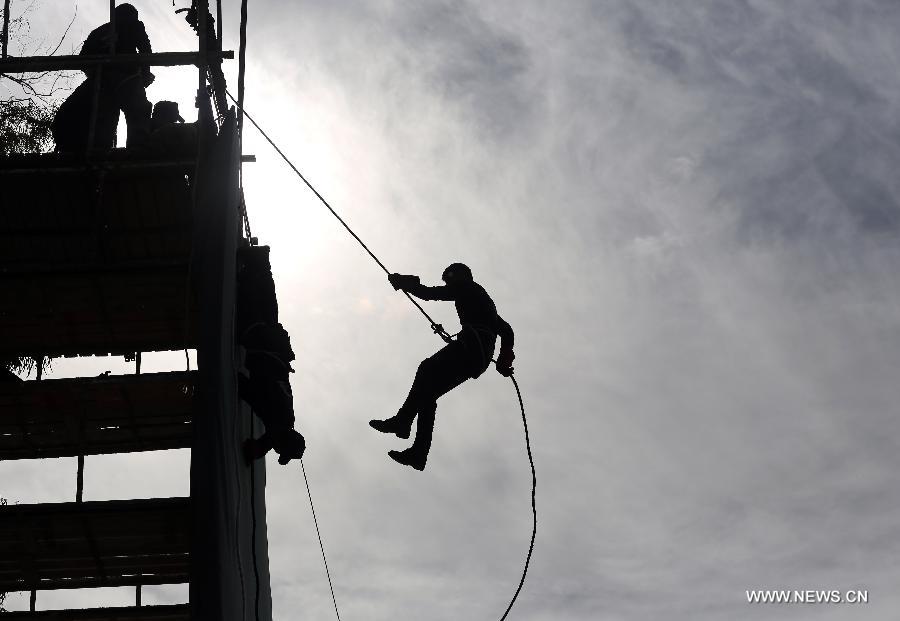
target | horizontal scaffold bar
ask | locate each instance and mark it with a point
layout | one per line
(9, 166)
(177, 612)
(94, 544)
(95, 416)
(63, 63)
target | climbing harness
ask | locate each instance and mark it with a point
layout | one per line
(437, 329)
(477, 332)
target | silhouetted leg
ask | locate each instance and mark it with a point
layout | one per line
(132, 99)
(401, 423)
(70, 125)
(417, 455)
(107, 121)
(436, 377)
(417, 392)
(424, 432)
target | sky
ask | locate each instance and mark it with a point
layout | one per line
(688, 212)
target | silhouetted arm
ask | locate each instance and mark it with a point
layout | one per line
(507, 338)
(505, 332)
(142, 43)
(412, 286)
(424, 292)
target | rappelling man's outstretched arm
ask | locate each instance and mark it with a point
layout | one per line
(411, 285)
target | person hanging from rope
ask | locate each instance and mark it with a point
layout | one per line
(268, 356)
(122, 87)
(466, 357)
(268, 392)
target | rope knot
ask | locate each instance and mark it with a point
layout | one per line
(439, 330)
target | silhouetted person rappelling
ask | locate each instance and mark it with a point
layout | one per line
(121, 87)
(466, 357)
(268, 357)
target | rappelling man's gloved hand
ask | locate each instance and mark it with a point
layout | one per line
(403, 281)
(504, 362)
(290, 446)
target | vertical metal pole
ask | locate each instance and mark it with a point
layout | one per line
(242, 67)
(137, 363)
(39, 363)
(137, 596)
(202, 92)
(98, 78)
(113, 44)
(79, 489)
(218, 22)
(5, 27)
(33, 603)
(202, 12)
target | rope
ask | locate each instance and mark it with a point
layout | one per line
(439, 330)
(533, 504)
(436, 327)
(253, 535)
(319, 535)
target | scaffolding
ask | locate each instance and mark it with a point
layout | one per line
(119, 253)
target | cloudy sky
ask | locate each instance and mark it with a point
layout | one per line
(688, 211)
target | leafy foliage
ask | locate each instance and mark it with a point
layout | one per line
(25, 127)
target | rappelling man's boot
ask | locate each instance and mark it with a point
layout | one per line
(397, 425)
(410, 457)
(416, 455)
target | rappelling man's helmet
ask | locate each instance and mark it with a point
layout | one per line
(456, 272)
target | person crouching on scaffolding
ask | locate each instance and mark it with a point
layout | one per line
(466, 357)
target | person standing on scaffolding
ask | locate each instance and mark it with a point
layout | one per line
(121, 87)
(466, 357)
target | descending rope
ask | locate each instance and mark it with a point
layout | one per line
(533, 504)
(253, 535)
(319, 535)
(436, 327)
(439, 330)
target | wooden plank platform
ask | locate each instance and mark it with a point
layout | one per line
(96, 314)
(94, 544)
(177, 612)
(95, 261)
(92, 416)
(126, 210)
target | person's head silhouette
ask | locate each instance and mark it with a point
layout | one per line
(126, 12)
(456, 272)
